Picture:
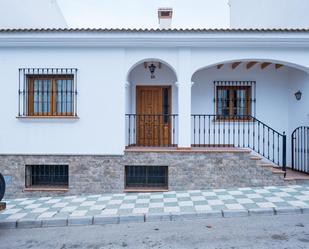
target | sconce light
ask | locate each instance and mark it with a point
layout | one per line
(152, 69)
(298, 95)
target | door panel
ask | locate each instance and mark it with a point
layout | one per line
(153, 128)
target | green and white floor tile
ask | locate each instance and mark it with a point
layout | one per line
(136, 203)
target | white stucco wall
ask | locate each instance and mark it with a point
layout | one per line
(269, 13)
(164, 76)
(299, 110)
(100, 103)
(269, 82)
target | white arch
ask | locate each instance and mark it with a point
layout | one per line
(285, 63)
(147, 60)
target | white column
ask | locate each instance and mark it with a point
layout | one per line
(184, 98)
(184, 115)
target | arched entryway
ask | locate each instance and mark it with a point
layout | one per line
(249, 103)
(151, 104)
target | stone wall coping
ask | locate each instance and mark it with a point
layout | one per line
(167, 150)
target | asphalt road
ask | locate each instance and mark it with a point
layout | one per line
(282, 232)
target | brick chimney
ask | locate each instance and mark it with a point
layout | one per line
(165, 18)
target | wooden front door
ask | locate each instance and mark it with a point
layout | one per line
(152, 120)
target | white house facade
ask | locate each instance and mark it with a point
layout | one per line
(91, 111)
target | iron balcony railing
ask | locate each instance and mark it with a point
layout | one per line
(151, 130)
(209, 130)
(239, 131)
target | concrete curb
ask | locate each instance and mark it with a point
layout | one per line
(54, 222)
(305, 210)
(183, 216)
(209, 214)
(105, 219)
(261, 211)
(8, 224)
(80, 221)
(287, 210)
(235, 213)
(28, 223)
(132, 218)
(149, 217)
(153, 217)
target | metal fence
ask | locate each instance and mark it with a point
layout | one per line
(151, 130)
(239, 131)
(300, 149)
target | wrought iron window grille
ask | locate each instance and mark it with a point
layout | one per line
(240, 103)
(47, 92)
(46, 175)
(146, 177)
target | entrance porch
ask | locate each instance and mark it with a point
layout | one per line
(236, 104)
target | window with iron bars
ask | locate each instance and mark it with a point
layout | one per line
(47, 92)
(146, 177)
(47, 176)
(234, 99)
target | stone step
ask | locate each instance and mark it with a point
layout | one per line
(293, 175)
(266, 165)
(277, 171)
(257, 158)
(188, 150)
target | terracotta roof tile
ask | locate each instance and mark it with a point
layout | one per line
(148, 30)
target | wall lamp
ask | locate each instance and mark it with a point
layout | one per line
(152, 69)
(298, 95)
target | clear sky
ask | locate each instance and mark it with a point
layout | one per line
(143, 13)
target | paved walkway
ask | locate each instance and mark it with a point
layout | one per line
(195, 201)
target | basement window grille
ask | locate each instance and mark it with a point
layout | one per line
(48, 92)
(235, 99)
(47, 176)
(146, 177)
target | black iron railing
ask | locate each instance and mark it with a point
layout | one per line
(151, 130)
(300, 149)
(239, 131)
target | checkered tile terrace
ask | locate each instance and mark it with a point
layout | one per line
(165, 202)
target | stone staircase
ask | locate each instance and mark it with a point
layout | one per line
(288, 177)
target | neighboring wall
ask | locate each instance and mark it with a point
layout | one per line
(31, 14)
(269, 13)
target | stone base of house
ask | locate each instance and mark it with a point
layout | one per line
(106, 174)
